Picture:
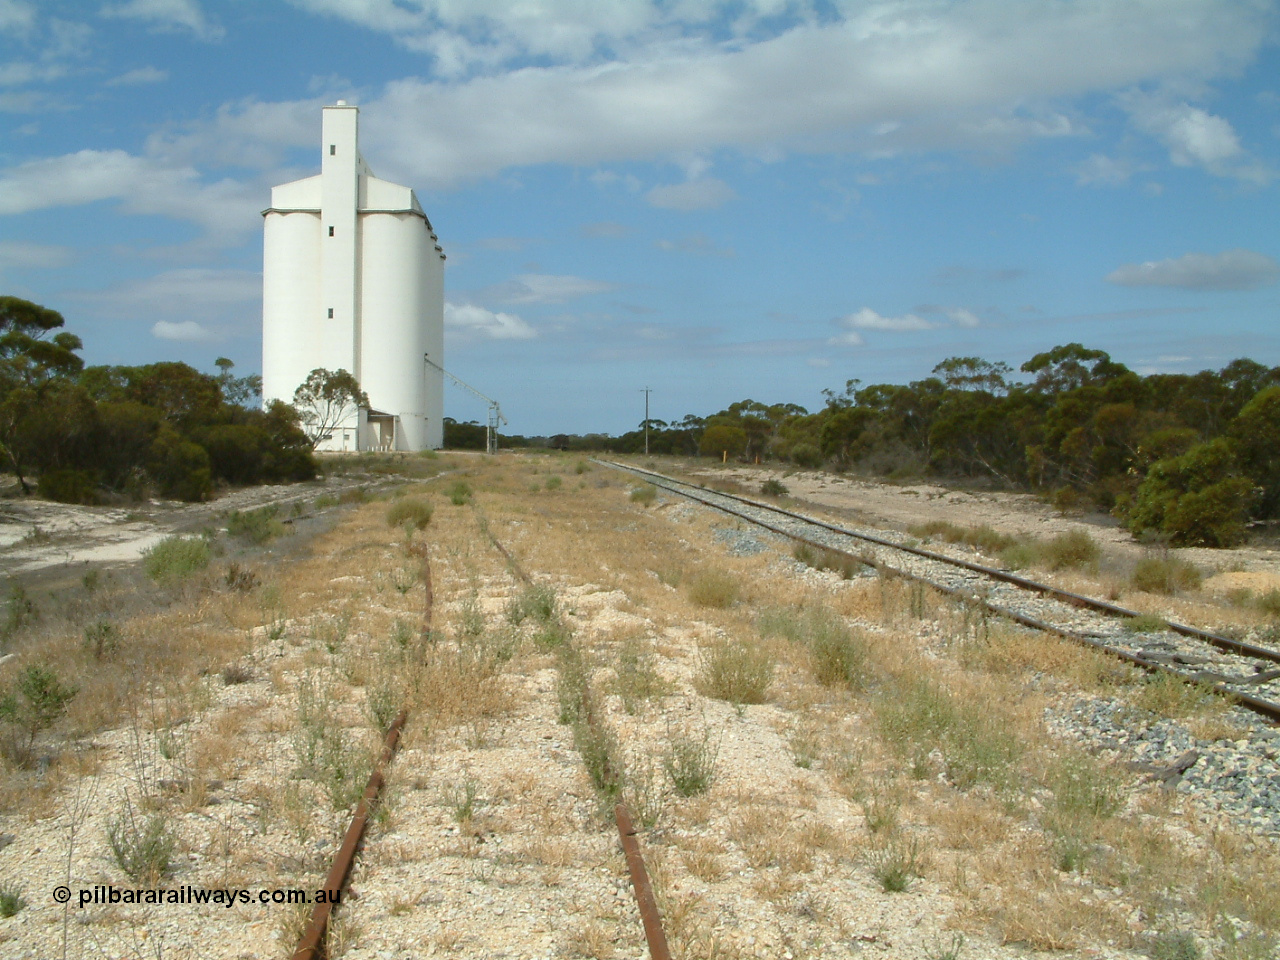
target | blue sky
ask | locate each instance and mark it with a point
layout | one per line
(717, 200)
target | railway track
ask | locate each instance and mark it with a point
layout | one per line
(313, 942)
(1247, 673)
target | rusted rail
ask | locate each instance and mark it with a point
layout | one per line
(650, 916)
(311, 946)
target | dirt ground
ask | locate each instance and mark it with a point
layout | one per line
(892, 790)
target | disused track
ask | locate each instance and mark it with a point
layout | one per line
(650, 917)
(1231, 667)
(311, 946)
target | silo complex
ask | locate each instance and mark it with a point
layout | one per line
(353, 279)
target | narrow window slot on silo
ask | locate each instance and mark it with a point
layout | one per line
(331, 231)
(331, 313)
(333, 149)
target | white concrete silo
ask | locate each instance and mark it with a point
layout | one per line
(353, 279)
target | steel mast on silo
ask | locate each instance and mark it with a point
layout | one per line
(495, 411)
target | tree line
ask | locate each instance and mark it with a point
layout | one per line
(1190, 459)
(162, 428)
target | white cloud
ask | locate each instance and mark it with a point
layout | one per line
(544, 288)
(1230, 270)
(868, 319)
(470, 319)
(185, 331)
(1192, 135)
(17, 16)
(1109, 171)
(883, 81)
(485, 33)
(18, 73)
(167, 16)
(962, 317)
(702, 194)
(847, 338)
(696, 243)
(138, 77)
(227, 209)
(30, 256)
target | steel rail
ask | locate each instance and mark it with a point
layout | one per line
(1074, 599)
(311, 946)
(1263, 707)
(650, 916)
(312, 943)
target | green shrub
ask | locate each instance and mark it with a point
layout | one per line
(644, 495)
(915, 716)
(180, 468)
(822, 559)
(636, 679)
(460, 493)
(1019, 556)
(410, 513)
(1145, 623)
(581, 467)
(897, 863)
(713, 588)
(325, 501)
(354, 495)
(837, 656)
(255, 526)
(11, 900)
(1074, 548)
(1083, 788)
(773, 488)
(142, 848)
(1174, 945)
(537, 602)
(101, 639)
(36, 704)
(554, 483)
(733, 671)
(690, 761)
(174, 559)
(19, 610)
(1269, 603)
(1168, 696)
(806, 455)
(69, 486)
(1164, 575)
(1196, 499)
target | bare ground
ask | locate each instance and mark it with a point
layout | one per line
(492, 842)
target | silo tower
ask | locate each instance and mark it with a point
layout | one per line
(353, 279)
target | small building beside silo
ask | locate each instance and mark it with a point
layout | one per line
(353, 279)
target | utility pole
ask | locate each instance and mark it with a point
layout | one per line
(646, 391)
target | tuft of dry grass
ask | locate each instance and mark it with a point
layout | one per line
(734, 671)
(713, 588)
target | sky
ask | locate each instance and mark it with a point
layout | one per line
(713, 199)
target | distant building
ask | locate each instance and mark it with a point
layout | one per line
(353, 279)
